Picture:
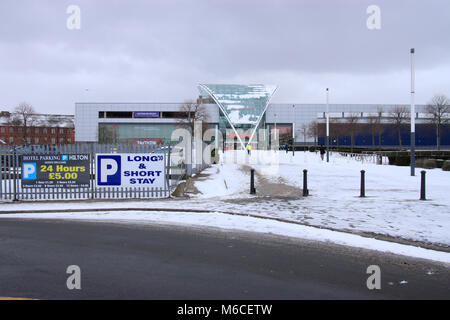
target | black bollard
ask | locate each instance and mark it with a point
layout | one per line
(363, 184)
(252, 181)
(422, 185)
(305, 183)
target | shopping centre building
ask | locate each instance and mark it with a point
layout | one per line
(244, 114)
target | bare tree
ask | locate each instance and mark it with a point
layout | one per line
(352, 123)
(23, 115)
(304, 131)
(439, 108)
(190, 112)
(399, 116)
(313, 131)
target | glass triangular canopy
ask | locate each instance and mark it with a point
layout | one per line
(241, 104)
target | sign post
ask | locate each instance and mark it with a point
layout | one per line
(413, 117)
(328, 129)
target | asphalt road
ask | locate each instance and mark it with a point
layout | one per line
(166, 262)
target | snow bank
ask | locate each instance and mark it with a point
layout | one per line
(228, 222)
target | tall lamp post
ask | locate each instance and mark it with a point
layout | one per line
(293, 130)
(413, 117)
(328, 129)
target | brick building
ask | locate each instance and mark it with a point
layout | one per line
(40, 129)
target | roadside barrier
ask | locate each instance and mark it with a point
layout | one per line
(252, 181)
(363, 184)
(305, 183)
(422, 185)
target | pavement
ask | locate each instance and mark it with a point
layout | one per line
(125, 261)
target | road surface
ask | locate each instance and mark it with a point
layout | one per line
(124, 261)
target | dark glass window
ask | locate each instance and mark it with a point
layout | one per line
(119, 114)
(176, 114)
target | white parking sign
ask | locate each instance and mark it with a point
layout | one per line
(130, 170)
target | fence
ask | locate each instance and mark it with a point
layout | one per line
(11, 187)
(366, 157)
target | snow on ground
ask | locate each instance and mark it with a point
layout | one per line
(392, 205)
(223, 180)
(391, 208)
(226, 222)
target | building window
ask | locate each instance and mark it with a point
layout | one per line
(176, 114)
(61, 140)
(36, 140)
(36, 130)
(11, 129)
(61, 130)
(118, 114)
(11, 139)
(44, 131)
(53, 130)
(53, 140)
(19, 130)
(28, 140)
(2, 129)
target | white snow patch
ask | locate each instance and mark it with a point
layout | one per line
(225, 221)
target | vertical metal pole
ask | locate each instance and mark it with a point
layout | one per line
(15, 170)
(223, 143)
(293, 131)
(328, 128)
(305, 183)
(413, 117)
(93, 168)
(422, 185)
(363, 185)
(167, 170)
(2, 166)
(252, 181)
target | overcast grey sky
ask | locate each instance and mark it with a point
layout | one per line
(159, 50)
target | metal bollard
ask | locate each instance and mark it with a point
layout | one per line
(305, 183)
(422, 185)
(363, 184)
(252, 181)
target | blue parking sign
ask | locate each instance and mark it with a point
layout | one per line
(109, 170)
(29, 170)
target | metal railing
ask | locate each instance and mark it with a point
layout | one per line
(366, 157)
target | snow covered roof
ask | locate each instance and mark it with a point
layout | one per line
(41, 120)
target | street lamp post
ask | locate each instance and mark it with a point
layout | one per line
(328, 129)
(413, 117)
(293, 130)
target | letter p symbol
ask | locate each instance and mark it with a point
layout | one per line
(29, 170)
(108, 172)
